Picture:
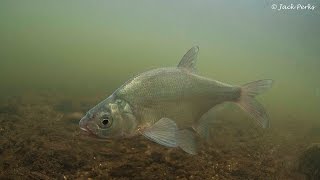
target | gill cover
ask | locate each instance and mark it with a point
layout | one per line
(124, 119)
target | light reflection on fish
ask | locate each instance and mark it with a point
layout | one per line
(166, 105)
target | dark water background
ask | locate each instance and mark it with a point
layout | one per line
(59, 58)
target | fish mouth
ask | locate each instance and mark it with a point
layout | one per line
(83, 124)
(87, 134)
(85, 130)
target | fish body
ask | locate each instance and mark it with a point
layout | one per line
(166, 105)
(174, 93)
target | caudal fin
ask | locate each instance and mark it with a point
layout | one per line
(252, 106)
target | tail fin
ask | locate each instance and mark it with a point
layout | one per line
(252, 106)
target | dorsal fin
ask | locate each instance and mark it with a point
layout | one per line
(189, 60)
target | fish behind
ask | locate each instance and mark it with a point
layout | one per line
(166, 105)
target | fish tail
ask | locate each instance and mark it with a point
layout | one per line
(248, 102)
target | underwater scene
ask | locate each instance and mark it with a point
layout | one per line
(160, 89)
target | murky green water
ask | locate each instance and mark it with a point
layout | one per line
(75, 53)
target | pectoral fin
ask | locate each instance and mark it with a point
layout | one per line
(162, 132)
(166, 133)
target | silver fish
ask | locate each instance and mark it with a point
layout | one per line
(166, 105)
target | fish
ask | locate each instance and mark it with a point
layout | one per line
(165, 105)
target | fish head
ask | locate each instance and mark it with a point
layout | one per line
(112, 118)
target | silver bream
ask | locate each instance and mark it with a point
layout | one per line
(166, 105)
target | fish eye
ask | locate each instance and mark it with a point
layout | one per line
(106, 121)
